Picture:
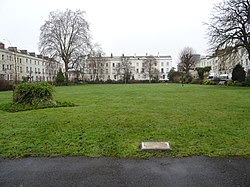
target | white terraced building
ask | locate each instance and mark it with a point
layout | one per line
(16, 65)
(222, 65)
(108, 68)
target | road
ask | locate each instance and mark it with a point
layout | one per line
(82, 171)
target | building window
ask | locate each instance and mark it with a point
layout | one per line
(115, 77)
(167, 63)
(162, 70)
(2, 57)
(113, 64)
(142, 70)
(107, 64)
(163, 77)
(27, 69)
(20, 60)
(107, 71)
(167, 69)
(30, 61)
(137, 70)
(3, 67)
(137, 64)
(162, 63)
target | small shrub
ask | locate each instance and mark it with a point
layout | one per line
(230, 83)
(195, 81)
(206, 82)
(5, 85)
(33, 93)
(237, 83)
(247, 81)
(109, 81)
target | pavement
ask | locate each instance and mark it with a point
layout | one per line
(82, 171)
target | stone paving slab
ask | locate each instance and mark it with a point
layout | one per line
(155, 146)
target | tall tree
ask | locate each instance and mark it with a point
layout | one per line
(229, 26)
(65, 34)
(150, 67)
(187, 60)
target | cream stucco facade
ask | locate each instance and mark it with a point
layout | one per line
(109, 67)
(16, 65)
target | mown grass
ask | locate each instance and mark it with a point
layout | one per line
(112, 120)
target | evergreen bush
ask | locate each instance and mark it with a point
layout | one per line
(60, 79)
(33, 94)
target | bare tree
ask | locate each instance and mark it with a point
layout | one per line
(229, 26)
(149, 67)
(96, 62)
(65, 34)
(186, 59)
(79, 66)
(124, 69)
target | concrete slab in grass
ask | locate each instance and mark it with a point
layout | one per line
(161, 146)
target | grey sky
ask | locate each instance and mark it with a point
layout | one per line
(120, 26)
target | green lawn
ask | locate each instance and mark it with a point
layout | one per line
(112, 120)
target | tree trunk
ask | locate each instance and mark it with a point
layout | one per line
(66, 72)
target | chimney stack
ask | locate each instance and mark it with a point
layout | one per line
(13, 49)
(32, 54)
(39, 56)
(1, 45)
(25, 52)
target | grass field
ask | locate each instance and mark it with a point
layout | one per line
(112, 120)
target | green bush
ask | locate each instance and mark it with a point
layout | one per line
(247, 81)
(195, 81)
(33, 94)
(206, 82)
(230, 83)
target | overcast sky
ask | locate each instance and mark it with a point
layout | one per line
(120, 26)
